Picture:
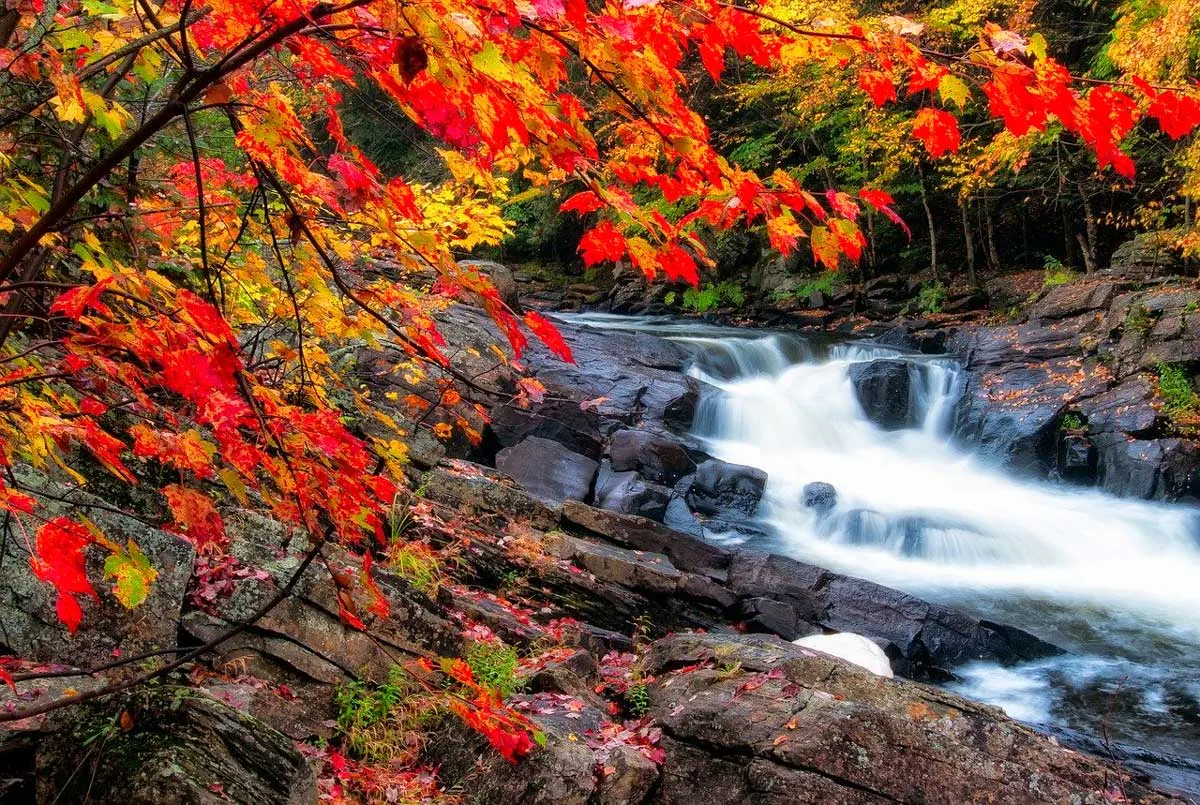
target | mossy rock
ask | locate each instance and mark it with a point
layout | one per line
(170, 745)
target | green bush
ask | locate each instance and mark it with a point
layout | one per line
(709, 297)
(827, 283)
(1056, 273)
(1072, 421)
(931, 298)
(1179, 398)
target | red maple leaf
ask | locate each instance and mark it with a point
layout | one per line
(59, 560)
(937, 130)
(878, 86)
(602, 242)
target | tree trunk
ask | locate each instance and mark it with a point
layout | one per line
(933, 263)
(968, 244)
(871, 258)
(1089, 262)
(1088, 243)
(990, 229)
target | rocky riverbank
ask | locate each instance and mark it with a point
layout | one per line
(1063, 382)
(655, 662)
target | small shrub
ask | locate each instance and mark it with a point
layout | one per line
(400, 518)
(1179, 398)
(418, 564)
(1072, 422)
(495, 665)
(638, 699)
(384, 723)
(931, 298)
(1192, 306)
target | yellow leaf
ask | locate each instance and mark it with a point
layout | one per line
(954, 90)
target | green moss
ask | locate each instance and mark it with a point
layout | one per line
(1138, 320)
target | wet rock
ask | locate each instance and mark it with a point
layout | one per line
(924, 640)
(558, 421)
(884, 390)
(658, 458)
(721, 488)
(1159, 469)
(29, 625)
(794, 726)
(686, 552)
(630, 493)
(1125, 408)
(548, 470)
(819, 496)
(1012, 412)
(183, 748)
(679, 516)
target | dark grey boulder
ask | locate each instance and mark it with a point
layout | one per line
(1125, 408)
(502, 278)
(884, 390)
(721, 488)
(819, 496)
(1077, 458)
(630, 493)
(1158, 469)
(1146, 255)
(548, 470)
(658, 458)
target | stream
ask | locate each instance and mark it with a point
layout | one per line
(1115, 582)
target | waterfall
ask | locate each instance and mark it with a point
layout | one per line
(1114, 581)
(916, 511)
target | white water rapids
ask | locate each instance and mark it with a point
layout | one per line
(1116, 582)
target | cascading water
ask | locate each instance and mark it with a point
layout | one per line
(1115, 582)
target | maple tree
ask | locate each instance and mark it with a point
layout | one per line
(190, 236)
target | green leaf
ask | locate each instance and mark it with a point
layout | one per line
(133, 575)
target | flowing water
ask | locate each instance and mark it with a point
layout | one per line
(1115, 582)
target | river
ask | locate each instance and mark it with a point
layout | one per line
(1115, 582)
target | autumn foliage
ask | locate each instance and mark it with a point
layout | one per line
(189, 236)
